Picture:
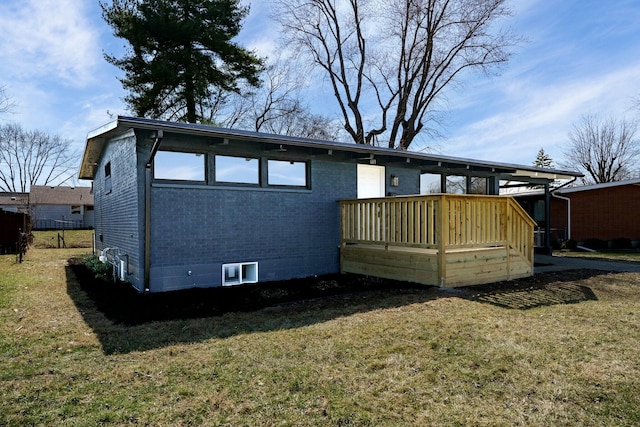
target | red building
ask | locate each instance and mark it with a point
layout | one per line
(605, 212)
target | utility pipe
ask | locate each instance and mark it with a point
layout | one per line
(147, 209)
(568, 200)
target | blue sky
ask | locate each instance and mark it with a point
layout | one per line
(581, 57)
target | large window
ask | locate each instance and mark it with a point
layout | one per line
(430, 183)
(477, 185)
(456, 184)
(179, 166)
(290, 173)
(240, 170)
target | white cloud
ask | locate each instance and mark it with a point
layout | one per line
(532, 116)
(48, 39)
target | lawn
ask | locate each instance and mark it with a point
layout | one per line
(614, 255)
(557, 349)
(62, 239)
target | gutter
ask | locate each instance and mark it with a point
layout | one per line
(568, 200)
(147, 209)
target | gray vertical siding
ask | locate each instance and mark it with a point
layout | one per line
(117, 212)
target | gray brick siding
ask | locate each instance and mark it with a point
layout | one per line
(117, 212)
(289, 233)
(195, 228)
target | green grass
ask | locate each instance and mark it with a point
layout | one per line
(615, 255)
(566, 355)
(72, 239)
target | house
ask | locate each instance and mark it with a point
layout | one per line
(61, 207)
(605, 212)
(14, 202)
(182, 205)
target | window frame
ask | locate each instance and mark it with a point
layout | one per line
(216, 163)
(179, 180)
(307, 174)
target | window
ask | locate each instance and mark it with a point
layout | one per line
(239, 170)
(107, 178)
(456, 184)
(238, 273)
(478, 185)
(291, 173)
(430, 183)
(179, 166)
(76, 210)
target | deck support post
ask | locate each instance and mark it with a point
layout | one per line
(443, 224)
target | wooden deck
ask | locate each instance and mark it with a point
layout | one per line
(443, 240)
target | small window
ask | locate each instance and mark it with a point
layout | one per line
(287, 173)
(239, 170)
(238, 273)
(107, 177)
(75, 210)
(179, 166)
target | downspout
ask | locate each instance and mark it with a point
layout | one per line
(547, 219)
(147, 209)
(568, 200)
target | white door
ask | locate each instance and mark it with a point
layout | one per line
(371, 182)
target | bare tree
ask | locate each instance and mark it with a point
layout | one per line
(275, 107)
(605, 150)
(6, 103)
(399, 56)
(33, 157)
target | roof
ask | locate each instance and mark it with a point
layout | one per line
(97, 139)
(635, 182)
(14, 199)
(46, 195)
(577, 189)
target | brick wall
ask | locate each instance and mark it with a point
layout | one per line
(195, 228)
(118, 211)
(291, 233)
(606, 214)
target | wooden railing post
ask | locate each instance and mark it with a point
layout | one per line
(442, 230)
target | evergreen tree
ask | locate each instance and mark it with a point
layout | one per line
(180, 54)
(543, 160)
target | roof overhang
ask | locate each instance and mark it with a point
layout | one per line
(97, 139)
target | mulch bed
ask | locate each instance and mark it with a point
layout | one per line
(121, 303)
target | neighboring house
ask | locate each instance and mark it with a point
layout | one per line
(182, 205)
(14, 202)
(61, 207)
(605, 212)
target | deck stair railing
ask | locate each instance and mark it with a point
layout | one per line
(442, 222)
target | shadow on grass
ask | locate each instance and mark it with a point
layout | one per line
(538, 291)
(126, 321)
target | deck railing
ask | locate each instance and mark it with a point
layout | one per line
(442, 222)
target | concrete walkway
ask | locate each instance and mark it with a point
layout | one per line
(547, 263)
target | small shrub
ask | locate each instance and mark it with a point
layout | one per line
(596, 244)
(100, 270)
(621, 243)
